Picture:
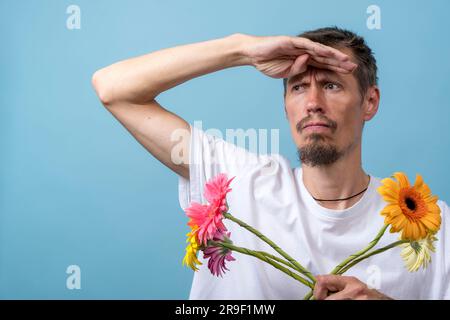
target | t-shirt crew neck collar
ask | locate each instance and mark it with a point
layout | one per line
(336, 214)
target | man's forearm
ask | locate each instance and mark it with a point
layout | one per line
(141, 79)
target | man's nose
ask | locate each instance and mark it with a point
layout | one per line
(314, 99)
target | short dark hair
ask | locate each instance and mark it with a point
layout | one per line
(366, 73)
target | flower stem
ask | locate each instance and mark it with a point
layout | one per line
(350, 259)
(291, 260)
(265, 259)
(277, 259)
(309, 295)
(361, 252)
(374, 252)
(361, 258)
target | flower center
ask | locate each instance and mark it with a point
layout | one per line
(416, 246)
(412, 204)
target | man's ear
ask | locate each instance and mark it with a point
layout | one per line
(371, 102)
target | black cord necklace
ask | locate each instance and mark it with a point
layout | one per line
(347, 197)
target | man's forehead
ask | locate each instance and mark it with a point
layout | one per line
(318, 73)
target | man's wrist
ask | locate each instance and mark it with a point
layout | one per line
(238, 52)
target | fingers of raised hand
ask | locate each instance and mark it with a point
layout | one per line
(319, 49)
(335, 68)
(347, 65)
(325, 56)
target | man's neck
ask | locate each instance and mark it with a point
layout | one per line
(342, 179)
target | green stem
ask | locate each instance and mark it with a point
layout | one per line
(361, 252)
(277, 259)
(291, 260)
(361, 258)
(351, 258)
(356, 261)
(309, 295)
(265, 259)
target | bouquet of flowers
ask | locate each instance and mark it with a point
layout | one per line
(411, 211)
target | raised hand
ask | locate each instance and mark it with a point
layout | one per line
(284, 56)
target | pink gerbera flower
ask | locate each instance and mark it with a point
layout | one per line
(216, 191)
(218, 255)
(208, 217)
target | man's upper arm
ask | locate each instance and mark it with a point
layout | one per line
(164, 134)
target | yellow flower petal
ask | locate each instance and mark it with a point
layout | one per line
(411, 209)
(402, 179)
(416, 254)
(190, 258)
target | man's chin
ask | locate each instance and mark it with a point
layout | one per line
(321, 143)
(315, 137)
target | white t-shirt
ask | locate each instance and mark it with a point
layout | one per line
(270, 196)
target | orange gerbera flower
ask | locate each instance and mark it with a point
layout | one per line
(411, 210)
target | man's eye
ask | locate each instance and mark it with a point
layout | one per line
(330, 85)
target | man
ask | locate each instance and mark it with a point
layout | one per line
(319, 213)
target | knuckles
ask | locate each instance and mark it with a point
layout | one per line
(357, 290)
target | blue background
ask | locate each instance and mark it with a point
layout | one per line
(77, 189)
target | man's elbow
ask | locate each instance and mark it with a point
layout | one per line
(102, 87)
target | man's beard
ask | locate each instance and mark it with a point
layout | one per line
(317, 153)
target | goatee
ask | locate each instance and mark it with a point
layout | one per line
(317, 153)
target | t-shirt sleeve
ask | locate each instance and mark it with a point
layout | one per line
(210, 155)
(445, 213)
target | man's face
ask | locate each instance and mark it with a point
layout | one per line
(332, 100)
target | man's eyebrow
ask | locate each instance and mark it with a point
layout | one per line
(323, 75)
(297, 77)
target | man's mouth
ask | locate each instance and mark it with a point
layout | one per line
(320, 125)
(316, 126)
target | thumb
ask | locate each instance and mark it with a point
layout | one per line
(300, 65)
